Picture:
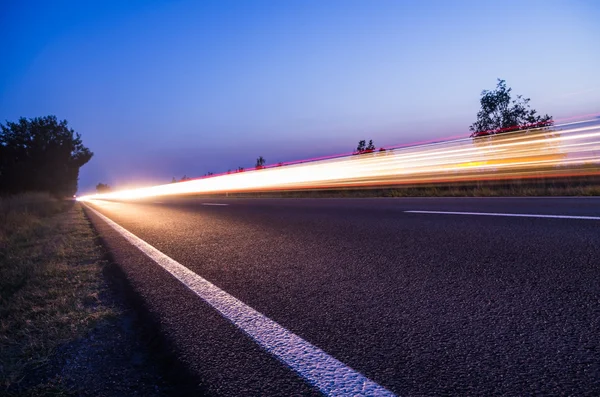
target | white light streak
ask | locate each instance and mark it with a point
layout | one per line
(556, 152)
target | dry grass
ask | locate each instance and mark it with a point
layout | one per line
(494, 191)
(20, 215)
(574, 186)
(50, 280)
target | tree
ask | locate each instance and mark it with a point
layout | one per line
(500, 113)
(103, 188)
(371, 147)
(363, 148)
(40, 154)
(260, 163)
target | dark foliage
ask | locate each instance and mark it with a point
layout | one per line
(363, 148)
(103, 188)
(362, 145)
(500, 113)
(40, 154)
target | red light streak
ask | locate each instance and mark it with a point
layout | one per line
(511, 155)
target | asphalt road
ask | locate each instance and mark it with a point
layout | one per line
(420, 303)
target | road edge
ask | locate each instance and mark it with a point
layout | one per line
(151, 334)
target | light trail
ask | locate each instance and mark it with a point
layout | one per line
(572, 149)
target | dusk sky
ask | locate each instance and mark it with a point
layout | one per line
(166, 88)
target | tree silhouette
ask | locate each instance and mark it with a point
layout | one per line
(103, 188)
(500, 113)
(371, 147)
(363, 148)
(40, 154)
(260, 163)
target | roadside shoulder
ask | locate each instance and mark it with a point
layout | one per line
(65, 329)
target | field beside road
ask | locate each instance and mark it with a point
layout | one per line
(582, 186)
(63, 331)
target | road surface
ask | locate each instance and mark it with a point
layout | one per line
(466, 296)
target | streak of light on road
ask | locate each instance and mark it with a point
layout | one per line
(571, 149)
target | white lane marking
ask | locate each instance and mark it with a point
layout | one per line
(213, 204)
(594, 218)
(329, 375)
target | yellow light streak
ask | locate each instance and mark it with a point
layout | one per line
(554, 152)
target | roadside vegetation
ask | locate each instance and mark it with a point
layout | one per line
(41, 154)
(501, 113)
(49, 287)
(569, 186)
(56, 310)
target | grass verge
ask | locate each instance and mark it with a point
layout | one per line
(63, 329)
(66, 325)
(50, 281)
(576, 186)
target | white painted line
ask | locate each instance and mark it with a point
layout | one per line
(594, 218)
(213, 204)
(329, 375)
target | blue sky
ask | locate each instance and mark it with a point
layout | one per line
(166, 88)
